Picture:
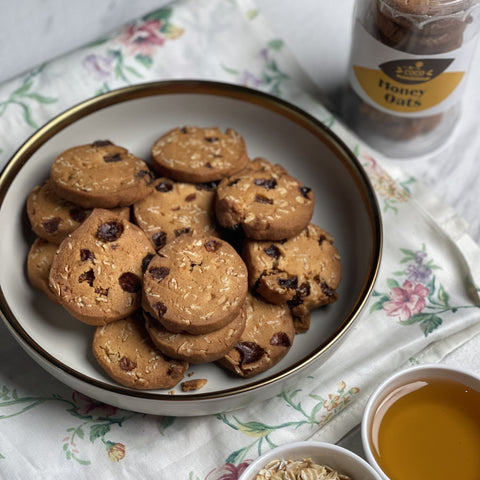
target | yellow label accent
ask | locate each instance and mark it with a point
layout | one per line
(406, 98)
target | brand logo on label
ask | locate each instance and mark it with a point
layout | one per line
(415, 71)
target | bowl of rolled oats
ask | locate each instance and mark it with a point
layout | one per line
(309, 460)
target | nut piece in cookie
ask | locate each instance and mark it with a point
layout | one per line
(265, 201)
(267, 338)
(100, 175)
(124, 350)
(97, 271)
(199, 155)
(52, 217)
(304, 271)
(39, 261)
(196, 284)
(174, 208)
(202, 348)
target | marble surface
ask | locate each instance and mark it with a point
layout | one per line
(318, 33)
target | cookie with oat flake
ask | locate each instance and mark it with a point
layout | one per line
(265, 201)
(174, 208)
(267, 338)
(97, 271)
(199, 154)
(197, 283)
(52, 217)
(303, 272)
(202, 348)
(125, 352)
(100, 175)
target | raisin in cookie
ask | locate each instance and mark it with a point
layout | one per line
(267, 338)
(199, 155)
(197, 284)
(52, 217)
(39, 261)
(196, 349)
(303, 271)
(265, 201)
(124, 350)
(175, 208)
(100, 175)
(97, 271)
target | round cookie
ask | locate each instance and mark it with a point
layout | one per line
(97, 271)
(265, 201)
(100, 175)
(303, 272)
(196, 349)
(175, 208)
(267, 338)
(39, 261)
(52, 217)
(124, 350)
(199, 155)
(196, 284)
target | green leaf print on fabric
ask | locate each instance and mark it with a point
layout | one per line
(268, 77)
(25, 96)
(96, 421)
(416, 297)
(320, 413)
(134, 50)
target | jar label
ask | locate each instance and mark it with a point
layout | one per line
(405, 84)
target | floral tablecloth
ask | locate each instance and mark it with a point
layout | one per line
(425, 302)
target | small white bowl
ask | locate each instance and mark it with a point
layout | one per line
(405, 377)
(340, 459)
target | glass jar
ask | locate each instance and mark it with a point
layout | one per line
(408, 68)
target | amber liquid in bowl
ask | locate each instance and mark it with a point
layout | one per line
(428, 429)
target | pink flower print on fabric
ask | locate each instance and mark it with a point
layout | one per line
(407, 300)
(141, 39)
(228, 471)
(88, 407)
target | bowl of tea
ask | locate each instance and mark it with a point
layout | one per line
(423, 423)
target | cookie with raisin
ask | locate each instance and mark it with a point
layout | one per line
(52, 217)
(39, 261)
(303, 272)
(125, 352)
(196, 283)
(97, 271)
(100, 175)
(196, 349)
(199, 154)
(174, 208)
(267, 338)
(265, 201)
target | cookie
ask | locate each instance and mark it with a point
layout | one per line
(267, 338)
(303, 272)
(39, 261)
(53, 218)
(97, 271)
(199, 155)
(420, 27)
(196, 284)
(175, 208)
(196, 349)
(100, 175)
(265, 201)
(125, 352)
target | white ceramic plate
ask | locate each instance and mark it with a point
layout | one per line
(134, 117)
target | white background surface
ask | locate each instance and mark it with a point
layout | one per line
(318, 33)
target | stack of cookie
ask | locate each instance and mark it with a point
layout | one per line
(212, 258)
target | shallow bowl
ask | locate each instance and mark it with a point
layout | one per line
(135, 117)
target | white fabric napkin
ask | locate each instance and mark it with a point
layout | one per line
(425, 302)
